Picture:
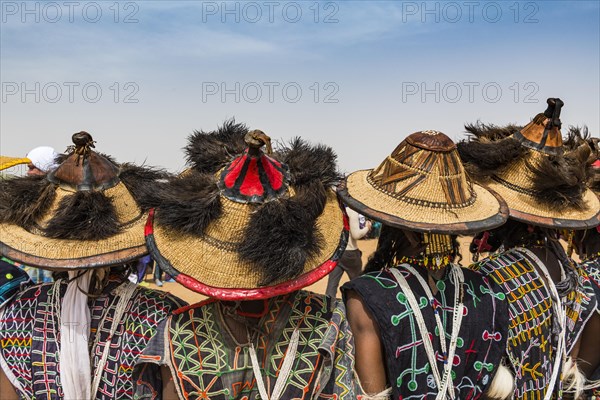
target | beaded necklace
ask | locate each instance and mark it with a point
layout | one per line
(427, 262)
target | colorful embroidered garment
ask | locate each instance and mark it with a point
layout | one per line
(206, 361)
(580, 304)
(481, 338)
(530, 313)
(592, 268)
(30, 338)
(12, 280)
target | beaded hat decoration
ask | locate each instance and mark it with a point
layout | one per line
(88, 212)
(246, 222)
(542, 182)
(439, 251)
(422, 186)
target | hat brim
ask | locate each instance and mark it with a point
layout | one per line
(488, 211)
(202, 265)
(526, 208)
(32, 249)
(9, 162)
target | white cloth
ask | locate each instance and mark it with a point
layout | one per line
(356, 232)
(44, 158)
(75, 319)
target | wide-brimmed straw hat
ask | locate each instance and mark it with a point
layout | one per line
(422, 186)
(542, 182)
(243, 223)
(89, 212)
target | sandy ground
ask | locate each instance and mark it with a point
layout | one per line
(367, 247)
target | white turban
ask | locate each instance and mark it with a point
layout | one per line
(44, 158)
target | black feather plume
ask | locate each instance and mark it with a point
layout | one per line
(308, 163)
(489, 148)
(483, 158)
(282, 235)
(575, 137)
(24, 200)
(560, 181)
(491, 132)
(145, 184)
(85, 215)
(210, 151)
(191, 202)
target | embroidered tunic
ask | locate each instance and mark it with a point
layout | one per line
(517, 275)
(530, 312)
(580, 304)
(206, 361)
(592, 269)
(30, 338)
(481, 338)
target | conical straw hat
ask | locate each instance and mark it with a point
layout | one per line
(89, 212)
(241, 224)
(423, 186)
(543, 184)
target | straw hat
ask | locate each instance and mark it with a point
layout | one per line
(423, 186)
(241, 224)
(542, 183)
(88, 212)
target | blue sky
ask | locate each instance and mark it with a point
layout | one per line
(370, 72)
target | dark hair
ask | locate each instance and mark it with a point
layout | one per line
(395, 243)
(514, 234)
(511, 234)
(587, 242)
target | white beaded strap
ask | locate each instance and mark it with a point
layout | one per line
(456, 324)
(284, 372)
(443, 383)
(561, 316)
(6, 369)
(124, 292)
(438, 321)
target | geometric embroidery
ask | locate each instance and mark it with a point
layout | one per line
(530, 325)
(592, 269)
(580, 305)
(208, 363)
(145, 309)
(16, 330)
(481, 338)
(207, 367)
(30, 337)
